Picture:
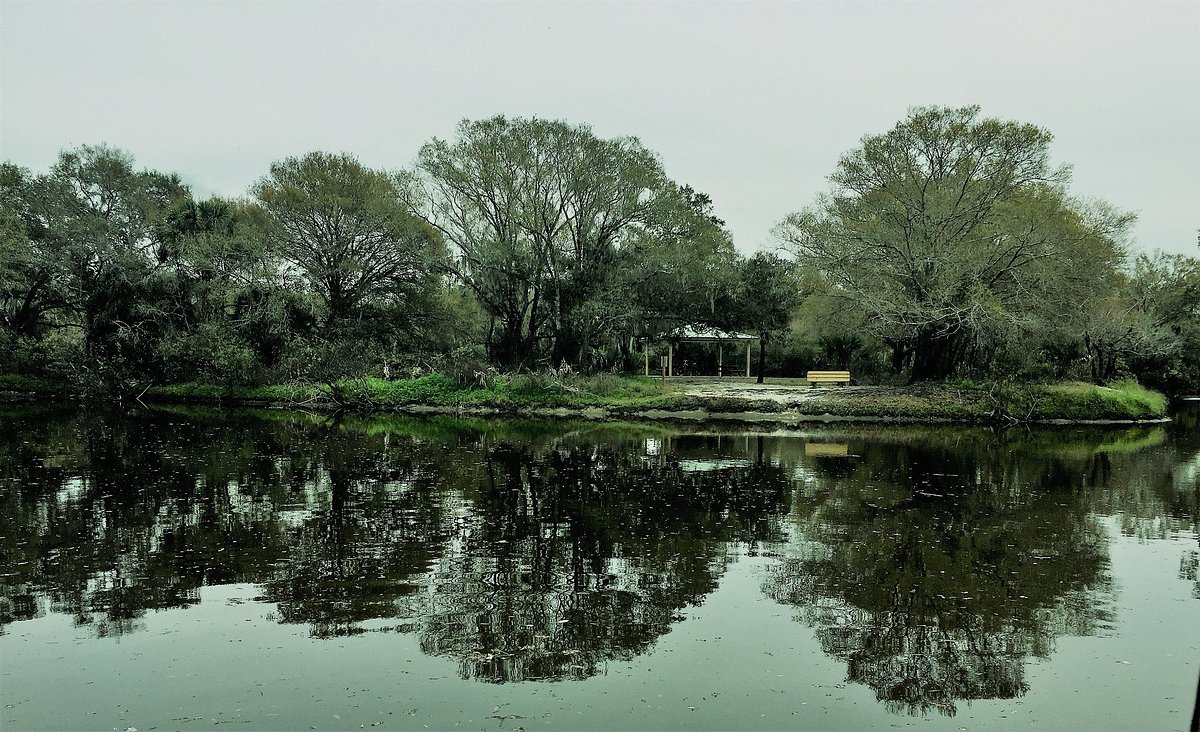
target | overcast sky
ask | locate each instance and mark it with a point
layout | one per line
(751, 102)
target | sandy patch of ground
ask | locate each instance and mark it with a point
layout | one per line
(793, 391)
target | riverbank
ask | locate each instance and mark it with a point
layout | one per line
(613, 397)
(779, 400)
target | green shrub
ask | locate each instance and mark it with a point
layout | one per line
(23, 383)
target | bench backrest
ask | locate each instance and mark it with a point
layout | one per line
(828, 375)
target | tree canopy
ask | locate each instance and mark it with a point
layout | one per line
(544, 217)
(948, 246)
(345, 229)
(953, 232)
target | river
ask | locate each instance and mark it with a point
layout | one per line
(185, 568)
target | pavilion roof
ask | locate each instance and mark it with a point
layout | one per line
(703, 333)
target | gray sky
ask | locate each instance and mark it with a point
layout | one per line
(751, 102)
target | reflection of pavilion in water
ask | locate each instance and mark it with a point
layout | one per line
(699, 451)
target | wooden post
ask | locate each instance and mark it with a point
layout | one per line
(670, 360)
(646, 353)
(720, 360)
(748, 359)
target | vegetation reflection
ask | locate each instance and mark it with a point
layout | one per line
(581, 554)
(934, 563)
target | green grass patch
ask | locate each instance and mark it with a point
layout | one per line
(504, 392)
(199, 392)
(1001, 402)
(918, 403)
(1080, 401)
(187, 391)
(22, 384)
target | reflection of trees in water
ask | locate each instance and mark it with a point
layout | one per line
(932, 562)
(102, 522)
(107, 518)
(1153, 494)
(934, 573)
(342, 524)
(1186, 477)
(1189, 568)
(574, 556)
(367, 542)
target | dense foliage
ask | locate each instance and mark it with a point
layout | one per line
(951, 246)
(565, 238)
(948, 247)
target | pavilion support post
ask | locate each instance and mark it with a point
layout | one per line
(747, 359)
(720, 360)
(646, 353)
(670, 360)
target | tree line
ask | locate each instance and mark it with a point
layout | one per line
(947, 247)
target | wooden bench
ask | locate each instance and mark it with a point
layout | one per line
(828, 377)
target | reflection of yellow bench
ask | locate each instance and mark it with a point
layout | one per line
(826, 449)
(828, 377)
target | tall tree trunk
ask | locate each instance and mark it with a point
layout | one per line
(566, 348)
(509, 350)
(900, 355)
(490, 342)
(935, 355)
(337, 302)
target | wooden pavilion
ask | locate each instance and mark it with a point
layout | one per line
(702, 334)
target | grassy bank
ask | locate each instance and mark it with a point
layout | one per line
(1003, 402)
(633, 396)
(502, 393)
(610, 396)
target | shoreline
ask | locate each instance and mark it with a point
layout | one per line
(694, 416)
(825, 408)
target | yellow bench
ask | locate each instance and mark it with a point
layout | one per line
(828, 377)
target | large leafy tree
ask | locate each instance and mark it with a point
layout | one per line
(239, 306)
(81, 250)
(683, 268)
(35, 273)
(347, 232)
(950, 229)
(110, 213)
(546, 217)
(767, 292)
(1157, 333)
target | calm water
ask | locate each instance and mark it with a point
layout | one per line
(180, 569)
